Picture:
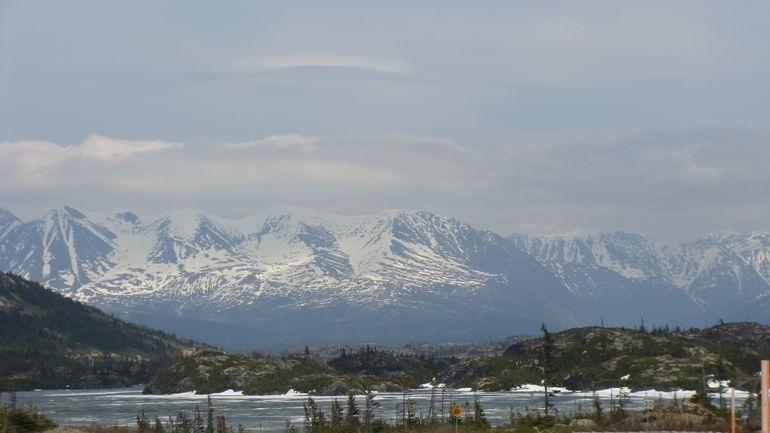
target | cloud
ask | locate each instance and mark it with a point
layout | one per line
(108, 149)
(31, 155)
(374, 64)
(670, 185)
(281, 142)
(426, 141)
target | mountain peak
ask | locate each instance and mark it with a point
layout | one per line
(7, 221)
(4, 211)
(65, 212)
(6, 217)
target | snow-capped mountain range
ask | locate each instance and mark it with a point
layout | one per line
(293, 276)
(722, 276)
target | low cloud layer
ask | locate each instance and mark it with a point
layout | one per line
(672, 186)
(515, 116)
(262, 63)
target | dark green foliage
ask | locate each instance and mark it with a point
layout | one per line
(221, 424)
(337, 417)
(209, 416)
(142, 423)
(198, 426)
(409, 370)
(184, 425)
(21, 420)
(673, 417)
(595, 357)
(478, 419)
(315, 420)
(49, 341)
(581, 358)
(273, 374)
(351, 411)
(598, 413)
(369, 407)
(547, 349)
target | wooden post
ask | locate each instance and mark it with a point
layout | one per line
(732, 412)
(764, 399)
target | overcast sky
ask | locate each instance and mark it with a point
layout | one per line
(527, 116)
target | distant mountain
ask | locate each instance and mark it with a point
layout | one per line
(723, 275)
(288, 277)
(64, 249)
(715, 276)
(49, 341)
(621, 276)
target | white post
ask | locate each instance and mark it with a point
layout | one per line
(764, 399)
(732, 412)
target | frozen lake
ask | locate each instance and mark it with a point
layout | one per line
(269, 412)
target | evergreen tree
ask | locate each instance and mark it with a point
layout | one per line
(142, 423)
(720, 377)
(171, 425)
(598, 411)
(221, 424)
(369, 409)
(289, 427)
(209, 416)
(351, 415)
(337, 417)
(314, 417)
(546, 363)
(183, 423)
(479, 418)
(410, 415)
(197, 420)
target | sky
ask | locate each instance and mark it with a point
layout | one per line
(526, 116)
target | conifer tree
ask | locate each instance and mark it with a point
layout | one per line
(598, 411)
(351, 415)
(336, 414)
(289, 427)
(209, 416)
(221, 424)
(183, 423)
(314, 417)
(479, 418)
(546, 362)
(197, 420)
(369, 409)
(142, 423)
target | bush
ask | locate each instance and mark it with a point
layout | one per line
(24, 420)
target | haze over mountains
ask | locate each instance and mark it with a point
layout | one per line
(287, 277)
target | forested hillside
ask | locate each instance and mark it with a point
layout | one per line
(585, 359)
(50, 341)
